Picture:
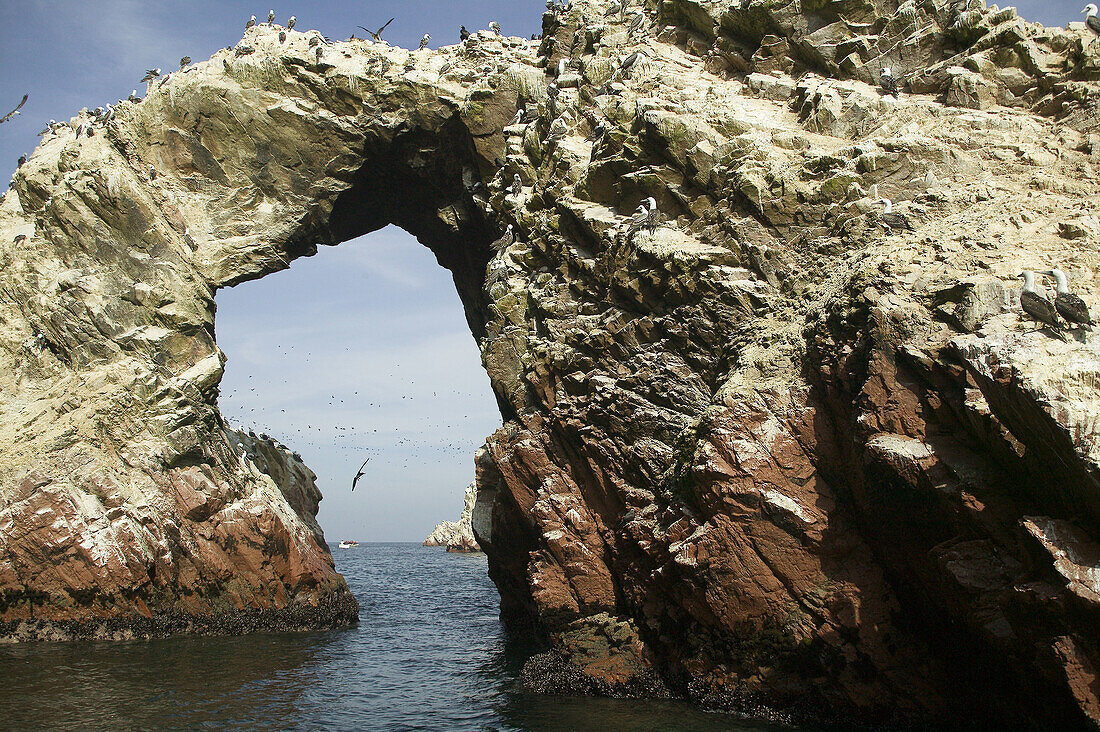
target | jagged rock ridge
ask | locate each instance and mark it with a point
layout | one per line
(762, 452)
(458, 535)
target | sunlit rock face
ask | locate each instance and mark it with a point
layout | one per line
(766, 451)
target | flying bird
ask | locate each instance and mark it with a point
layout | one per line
(150, 74)
(463, 34)
(377, 35)
(1070, 306)
(290, 23)
(359, 474)
(887, 81)
(1037, 306)
(251, 23)
(184, 61)
(15, 111)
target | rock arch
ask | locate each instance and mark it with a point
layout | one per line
(764, 453)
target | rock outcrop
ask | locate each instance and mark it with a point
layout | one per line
(458, 535)
(763, 451)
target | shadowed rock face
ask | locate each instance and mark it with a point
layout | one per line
(763, 451)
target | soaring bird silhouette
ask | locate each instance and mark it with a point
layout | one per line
(377, 35)
(15, 111)
(359, 474)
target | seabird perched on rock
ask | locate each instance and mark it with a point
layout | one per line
(184, 61)
(505, 241)
(243, 49)
(494, 27)
(636, 23)
(463, 34)
(15, 111)
(652, 216)
(1037, 306)
(282, 36)
(637, 221)
(424, 42)
(1091, 20)
(251, 23)
(22, 159)
(517, 185)
(892, 220)
(152, 172)
(133, 97)
(1070, 306)
(270, 17)
(359, 474)
(314, 41)
(558, 128)
(887, 81)
(320, 51)
(150, 74)
(290, 23)
(518, 118)
(19, 238)
(376, 36)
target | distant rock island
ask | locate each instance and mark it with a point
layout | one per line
(457, 537)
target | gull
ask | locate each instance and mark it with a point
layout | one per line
(1070, 306)
(15, 111)
(251, 23)
(424, 42)
(359, 474)
(377, 35)
(1037, 306)
(184, 61)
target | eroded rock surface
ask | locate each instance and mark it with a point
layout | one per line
(458, 535)
(765, 452)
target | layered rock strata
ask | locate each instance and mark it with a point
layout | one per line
(458, 536)
(764, 451)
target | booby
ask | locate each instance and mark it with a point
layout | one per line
(518, 118)
(314, 41)
(270, 17)
(22, 159)
(150, 74)
(463, 34)
(184, 61)
(494, 27)
(1091, 20)
(892, 220)
(152, 172)
(376, 36)
(887, 81)
(1070, 306)
(505, 241)
(290, 23)
(424, 42)
(251, 23)
(15, 111)
(1037, 306)
(319, 52)
(359, 474)
(517, 185)
(637, 221)
(636, 23)
(133, 97)
(282, 36)
(563, 64)
(243, 49)
(557, 131)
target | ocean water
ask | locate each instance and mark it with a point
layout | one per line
(428, 654)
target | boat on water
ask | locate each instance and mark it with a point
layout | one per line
(348, 544)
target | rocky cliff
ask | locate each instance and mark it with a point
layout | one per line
(765, 450)
(458, 535)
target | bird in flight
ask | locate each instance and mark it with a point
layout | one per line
(359, 474)
(14, 112)
(377, 35)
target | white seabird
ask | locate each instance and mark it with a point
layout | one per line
(494, 27)
(1070, 306)
(1091, 20)
(887, 81)
(424, 42)
(251, 23)
(290, 23)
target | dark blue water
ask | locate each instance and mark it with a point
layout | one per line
(429, 654)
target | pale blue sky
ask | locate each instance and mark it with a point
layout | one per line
(375, 316)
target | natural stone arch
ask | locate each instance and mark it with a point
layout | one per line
(755, 455)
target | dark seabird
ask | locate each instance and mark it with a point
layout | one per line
(22, 159)
(150, 74)
(1037, 306)
(494, 27)
(517, 185)
(1070, 306)
(630, 60)
(636, 23)
(290, 23)
(891, 220)
(557, 130)
(320, 52)
(133, 97)
(270, 17)
(377, 35)
(242, 49)
(463, 34)
(15, 111)
(518, 118)
(424, 42)
(251, 23)
(505, 241)
(152, 172)
(652, 217)
(637, 221)
(184, 61)
(887, 81)
(359, 474)
(282, 36)
(314, 41)
(1091, 20)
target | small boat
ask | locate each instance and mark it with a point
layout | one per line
(348, 544)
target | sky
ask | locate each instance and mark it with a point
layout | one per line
(360, 351)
